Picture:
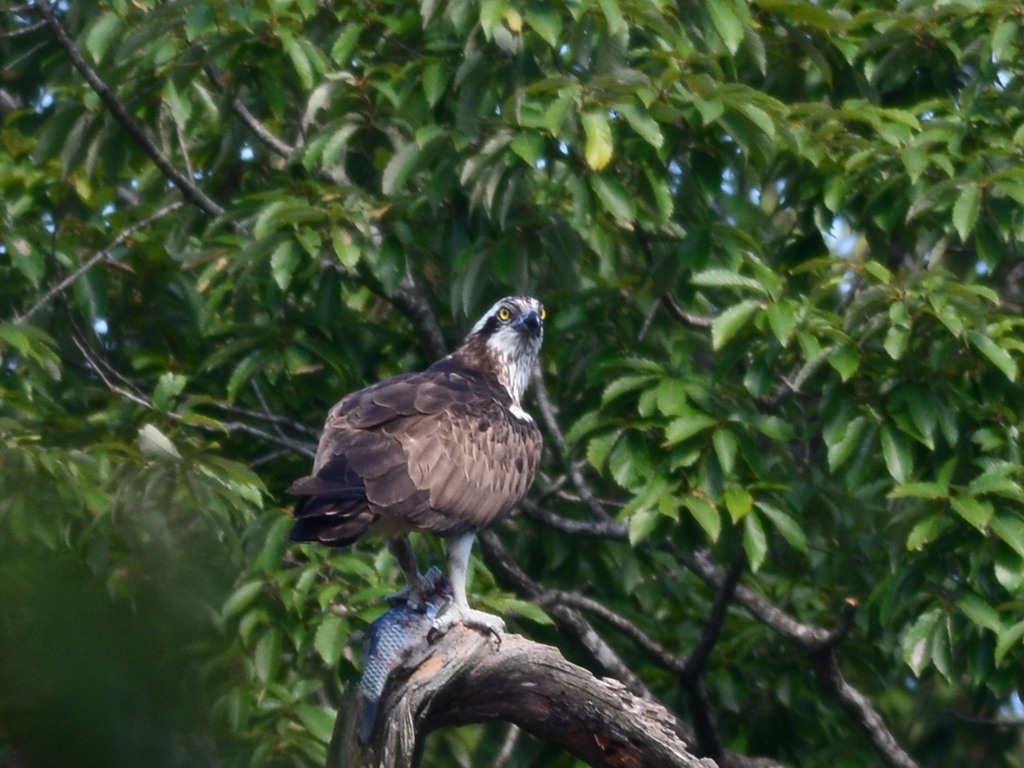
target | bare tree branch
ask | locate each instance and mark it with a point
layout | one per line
(22, 30)
(571, 621)
(465, 679)
(189, 189)
(691, 676)
(95, 259)
(601, 529)
(107, 375)
(662, 655)
(820, 644)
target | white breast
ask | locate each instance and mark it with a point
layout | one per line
(519, 413)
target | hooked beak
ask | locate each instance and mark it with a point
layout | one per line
(530, 323)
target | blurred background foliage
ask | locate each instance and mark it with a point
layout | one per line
(780, 245)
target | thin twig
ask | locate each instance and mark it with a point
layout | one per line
(102, 370)
(189, 189)
(687, 318)
(95, 259)
(550, 417)
(508, 747)
(23, 31)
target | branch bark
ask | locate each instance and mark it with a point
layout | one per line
(465, 678)
(189, 189)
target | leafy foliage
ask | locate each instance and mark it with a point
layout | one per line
(780, 242)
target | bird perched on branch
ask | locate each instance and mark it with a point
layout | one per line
(449, 451)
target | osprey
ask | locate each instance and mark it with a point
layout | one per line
(449, 450)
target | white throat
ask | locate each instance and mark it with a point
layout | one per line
(515, 357)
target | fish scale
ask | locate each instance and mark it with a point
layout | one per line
(389, 639)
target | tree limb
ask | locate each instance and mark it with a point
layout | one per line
(820, 643)
(189, 189)
(464, 678)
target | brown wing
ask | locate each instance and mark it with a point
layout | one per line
(437, 451)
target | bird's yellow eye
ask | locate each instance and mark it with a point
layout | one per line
(504, 314)
(543, 314)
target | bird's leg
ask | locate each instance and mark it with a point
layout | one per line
(459, 612)
(419, 587)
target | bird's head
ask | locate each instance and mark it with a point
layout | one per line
(510, 334)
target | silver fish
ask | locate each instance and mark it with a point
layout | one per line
(389, 639)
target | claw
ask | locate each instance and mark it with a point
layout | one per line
(454, 614)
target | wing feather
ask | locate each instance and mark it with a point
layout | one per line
(439, 450)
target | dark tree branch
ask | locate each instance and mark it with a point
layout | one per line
(189, 189)
(859, 707)
(686, 318)
(691, 676)
(569, 620)
(601, 529)
(411, 300)
(662, 655)
(575, 625)
(820, 644)
(465, 678)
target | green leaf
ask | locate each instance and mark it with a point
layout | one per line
(1010, 528)
(723, 278)
(917, 642)
(739, 502)
(895, 343)
(641, 121)
(546, 22)
(728, 324)
(755, 542)
(155, 445)
(925, 531)
(642, 524)
(598, 147)
(727, 23)
(614, 197)
(318, 721)
(169, 386)
(100, 34)
(787, 527)
(612, 15)
(782, 320)
(845, 359)
(283, 262)
(240, 599)
(345, 44)
(725, 445)
(966, 209)
(400, 167)
(980, 612)
(435, 80)
(840, 451)
(996, 355)
(896, 451)
(685, 427)
(330, 639)
(1009, 640)
(932, 491)
(266, 655)
(705, 514)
